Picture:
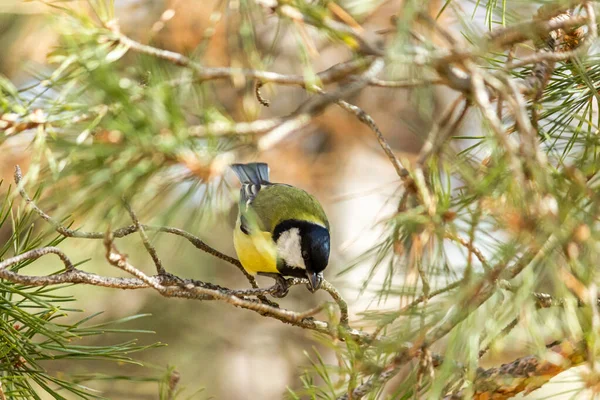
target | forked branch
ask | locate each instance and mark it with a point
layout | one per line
(167, 284)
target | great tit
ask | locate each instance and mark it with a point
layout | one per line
(280, 230)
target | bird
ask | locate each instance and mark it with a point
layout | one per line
(281, 231)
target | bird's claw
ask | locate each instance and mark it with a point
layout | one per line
(282, 287)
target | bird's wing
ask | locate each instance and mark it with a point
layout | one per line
(249, 215)
(278, 202)
(264, 204)
(249, 191)
(254, 177)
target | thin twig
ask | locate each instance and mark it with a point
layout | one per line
(264, 102)
(335, 295)
(441, 129)
(505, 331)
(37, 253)
(403, 84)
(469, 246)
(160, 270)
(238, 129)
(367, 120)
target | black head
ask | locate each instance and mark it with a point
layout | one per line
(314, 247)
(315, 252)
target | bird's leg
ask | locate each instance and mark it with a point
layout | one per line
(282, 285)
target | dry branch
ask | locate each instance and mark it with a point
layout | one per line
(169, 286)
(165, 283)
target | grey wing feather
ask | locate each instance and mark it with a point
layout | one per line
(256, 173)
(253, 176)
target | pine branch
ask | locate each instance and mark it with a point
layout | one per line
(471, 299)
(526, 374)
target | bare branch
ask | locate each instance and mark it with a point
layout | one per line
(237, 129)
(127, 230)
(335, 295)
(71, 275)
(37, 253)
(367, 120)
(166, 285)
(160, 270)
(141, 280)
(402, 84)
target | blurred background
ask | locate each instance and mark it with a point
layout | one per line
(228, 352)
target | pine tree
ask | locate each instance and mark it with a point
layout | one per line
(492, 241)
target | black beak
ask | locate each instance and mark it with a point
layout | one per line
(314, 281)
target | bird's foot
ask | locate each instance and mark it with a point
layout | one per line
(281, 286)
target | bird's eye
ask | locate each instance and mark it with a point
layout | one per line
(304, 253)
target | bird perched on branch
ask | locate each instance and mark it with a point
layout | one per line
(281, 230)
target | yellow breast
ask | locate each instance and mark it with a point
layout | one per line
(256, 251)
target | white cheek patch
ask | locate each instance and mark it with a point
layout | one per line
(289, 248)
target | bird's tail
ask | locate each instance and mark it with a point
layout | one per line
(256, 173)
